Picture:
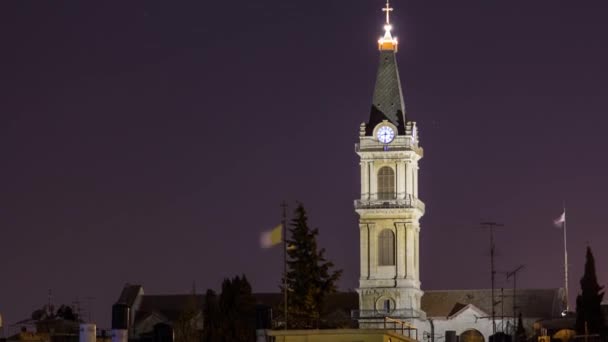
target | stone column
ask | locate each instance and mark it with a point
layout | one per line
(400, 256)
(373, 251)
(411, 270)
(364, 180)
(364, 250)
(408, 178)
(416, 231)
(416, 168)
(402, 180)
(373, 180)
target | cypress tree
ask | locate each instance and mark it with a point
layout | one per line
(310, 277)
(588, 302)
(237, 311)
(185, 326)
(231, 316)
(211, 314)
(520, 333)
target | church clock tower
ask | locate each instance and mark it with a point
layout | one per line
(389, 209)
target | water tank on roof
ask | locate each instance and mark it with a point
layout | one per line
(88, 332)
(120, 316)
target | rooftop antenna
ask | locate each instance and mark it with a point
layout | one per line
(49, 307)
(491, 226)
(89, 310)
(284, 223)
(561, 222)
(502, 309)
(514, 275)
(76, 306)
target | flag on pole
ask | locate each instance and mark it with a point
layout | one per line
(558, 221)
(272, 237)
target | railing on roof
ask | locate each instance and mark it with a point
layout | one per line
(405, 326)
(408, 202)
(397, 313)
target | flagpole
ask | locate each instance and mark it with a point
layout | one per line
(566, 261)
(283, 221)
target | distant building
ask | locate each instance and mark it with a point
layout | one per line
(51, 324)
(470, 310)
(148, 310)
(466, 312)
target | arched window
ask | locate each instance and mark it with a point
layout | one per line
(386, 183)
(386, 248)
(471, 335)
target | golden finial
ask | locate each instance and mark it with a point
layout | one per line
(387, 42)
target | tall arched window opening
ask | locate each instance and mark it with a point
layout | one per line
(386, 248)
(386, 183)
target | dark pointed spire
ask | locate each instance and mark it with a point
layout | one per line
(387, 103)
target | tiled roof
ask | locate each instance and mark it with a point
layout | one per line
(387, 102)
(457, 307)
(539, 303)
(170, 306)
(129, 294)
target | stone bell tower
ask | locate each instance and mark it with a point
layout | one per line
(389, 208)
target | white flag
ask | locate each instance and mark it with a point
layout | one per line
(558, 221)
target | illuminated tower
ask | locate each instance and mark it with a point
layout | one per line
(389, 209)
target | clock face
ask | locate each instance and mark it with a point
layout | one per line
(385, 134)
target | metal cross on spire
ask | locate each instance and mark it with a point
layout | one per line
(388, 9)
(387, 42)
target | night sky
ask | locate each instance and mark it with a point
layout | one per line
(151, 142)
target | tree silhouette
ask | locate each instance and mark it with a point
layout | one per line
(185, 326)
(231, 317)
(212, 331)
(589, 318)
(520, 333)
(309, 276)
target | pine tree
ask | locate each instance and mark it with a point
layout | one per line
(309, 277)
(588, 302)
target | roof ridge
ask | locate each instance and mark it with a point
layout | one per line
(497, 289)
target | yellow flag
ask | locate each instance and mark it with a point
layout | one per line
(272, 237)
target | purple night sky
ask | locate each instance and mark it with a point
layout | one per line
(151, 142)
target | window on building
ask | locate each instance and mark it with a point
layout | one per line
(386, 183)
(386, 248)
(387, 305)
